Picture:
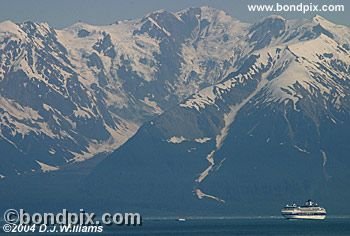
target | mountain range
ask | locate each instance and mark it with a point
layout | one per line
(192, 111)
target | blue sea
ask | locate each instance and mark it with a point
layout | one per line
(235, 226)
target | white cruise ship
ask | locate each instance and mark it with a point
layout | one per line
(310, 210)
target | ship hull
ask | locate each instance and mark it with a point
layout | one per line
(305, 217)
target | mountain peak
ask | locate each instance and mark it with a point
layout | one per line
(273, 18)
(318, 18)
(8, 26)
(202, 9)
(79, 26)
(210, 9)
(209, 12)
(322, 21)
(160, 12)
(205, 12)
(273, 21)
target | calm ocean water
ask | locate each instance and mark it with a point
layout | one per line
(218, 227)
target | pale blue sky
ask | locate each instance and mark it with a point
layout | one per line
(61, 13)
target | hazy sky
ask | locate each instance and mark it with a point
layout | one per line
(61, 13)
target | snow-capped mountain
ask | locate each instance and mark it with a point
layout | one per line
(200, 110)
(67, 95)
(275, 128)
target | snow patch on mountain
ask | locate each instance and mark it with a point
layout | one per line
(46, 168)
(278, 87)
(301, 149)
(8, 29)
(324, 163)
(22, 119)
(201, 99)
(153, 105)
(156, 24)
(202, 195)
(230, 116)
(205, 173)
(202, 140)
(304, 61)
(177, 140)
(52, 151)
(117, 138)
